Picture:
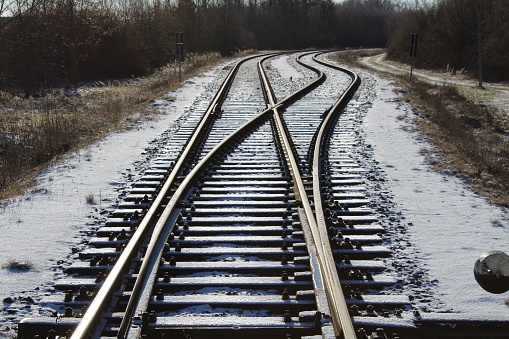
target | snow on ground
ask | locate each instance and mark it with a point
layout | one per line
(283, 63)
(45, 225)
(492, 94)
(447, 225)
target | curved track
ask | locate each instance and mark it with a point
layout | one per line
(253, 221)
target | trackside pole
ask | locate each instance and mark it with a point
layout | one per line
(180, 48)
(479, 42)
(413, 52)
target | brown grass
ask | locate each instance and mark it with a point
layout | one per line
(469, 140)
(36, 131)
(18, 265)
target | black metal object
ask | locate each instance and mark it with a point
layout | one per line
(413, 45)
(491, 271)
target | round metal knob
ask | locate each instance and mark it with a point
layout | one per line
(491, 271)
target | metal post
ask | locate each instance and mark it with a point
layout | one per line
(479, 42)
(180, 45)
(413, 52)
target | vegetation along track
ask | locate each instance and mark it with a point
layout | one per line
(254, 221)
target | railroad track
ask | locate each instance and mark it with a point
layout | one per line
(253, 221)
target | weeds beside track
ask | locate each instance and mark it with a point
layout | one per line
(36, 131)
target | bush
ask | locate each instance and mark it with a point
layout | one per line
(472, 138)
(18, 265)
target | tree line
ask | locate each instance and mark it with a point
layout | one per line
(447, 36)
(45, 43)
(62, 42)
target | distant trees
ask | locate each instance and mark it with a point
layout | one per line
(495, 39)
(49, 42)
(45, 43)
(366, 22)
(448, 36)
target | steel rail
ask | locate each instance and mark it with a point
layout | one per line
(114, 278)
(148, 270)
(425, 325)
(161, 232)
(337, 305)
(113, 281)
(314, 83)
(165, 223)
(341, 315)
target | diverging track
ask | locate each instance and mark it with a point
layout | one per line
(252, 222)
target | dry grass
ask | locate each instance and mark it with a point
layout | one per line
(470, 140)
(90, 199)
(36, 131)
(18, 265)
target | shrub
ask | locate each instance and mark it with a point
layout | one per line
(18, 265)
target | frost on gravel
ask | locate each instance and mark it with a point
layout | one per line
(286, 76)
(209, 311)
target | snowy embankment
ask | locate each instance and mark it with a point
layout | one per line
(446, 225)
